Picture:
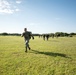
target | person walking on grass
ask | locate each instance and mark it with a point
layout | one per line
(44, 37)
(27, 36)
(47, 37)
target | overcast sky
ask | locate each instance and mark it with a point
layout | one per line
(39, 16)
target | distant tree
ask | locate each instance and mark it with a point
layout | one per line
(4, 33)
(36, 34)
(61, 34)
(66, 34)
(57, 34)
(72, 33)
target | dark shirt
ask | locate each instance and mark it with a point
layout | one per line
(27, 34)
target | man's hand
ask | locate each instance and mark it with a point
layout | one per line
(21, 35)
(33, 38)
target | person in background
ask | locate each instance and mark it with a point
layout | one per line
(43, 36)
(47, 37)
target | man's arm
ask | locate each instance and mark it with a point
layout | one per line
(22, 34)
(32, 36)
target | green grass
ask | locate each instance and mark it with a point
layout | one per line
(54, 57)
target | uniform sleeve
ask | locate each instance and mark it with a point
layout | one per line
(32, 35)
(22, 34)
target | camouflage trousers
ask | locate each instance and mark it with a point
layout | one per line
(27, 43)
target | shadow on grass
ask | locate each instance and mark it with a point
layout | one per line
(50, 53)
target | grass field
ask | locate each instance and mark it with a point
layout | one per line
(54, 57)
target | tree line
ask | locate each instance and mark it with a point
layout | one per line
(57, 34)
(60, 34)
(11, 34)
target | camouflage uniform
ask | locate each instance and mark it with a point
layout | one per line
(27, 36)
